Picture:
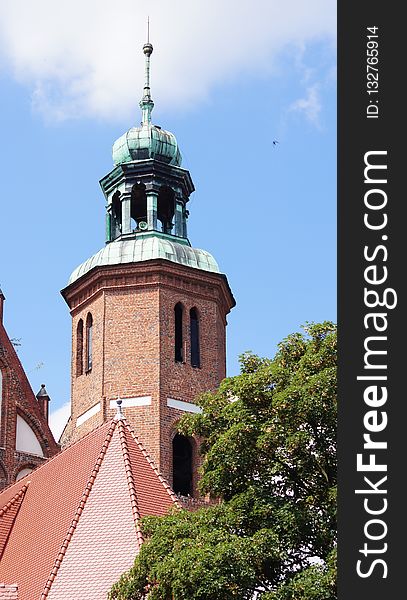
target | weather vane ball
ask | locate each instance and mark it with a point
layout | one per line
(148, 49)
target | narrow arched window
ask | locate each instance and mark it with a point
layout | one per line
(166, 208)
(116, 217)
(138, 206)
(89, 341)
(79, 348)
(182, 465)
(178, 311)
(194, 332)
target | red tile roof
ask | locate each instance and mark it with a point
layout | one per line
(7, 516)
(75, 528)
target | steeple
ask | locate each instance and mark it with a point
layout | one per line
(149, 310)
(147, 194)
(148, 140)
(146, 103)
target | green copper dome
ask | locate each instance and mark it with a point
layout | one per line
(144, 248)
(148, 140)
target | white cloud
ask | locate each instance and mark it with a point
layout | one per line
(59, 418)
(83, 58)
(310, 106)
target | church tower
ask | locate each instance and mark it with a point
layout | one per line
(148, 310)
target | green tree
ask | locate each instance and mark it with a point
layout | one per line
(270, 457)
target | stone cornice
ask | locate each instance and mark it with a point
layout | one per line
(147, 171)
(157, 273)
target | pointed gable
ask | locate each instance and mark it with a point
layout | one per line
(78, 528)
(46, 514)
(104, 542)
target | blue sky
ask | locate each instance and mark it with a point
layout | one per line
(227, 88)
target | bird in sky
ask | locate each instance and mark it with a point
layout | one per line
(275, 142)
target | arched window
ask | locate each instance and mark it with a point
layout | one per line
(182, 465)
(138, 206)
(116, 217)
(89, 341)
(24, 472)
(194, 332)
(79, 348)
(26, 438)
(178, 311)
(166, 208)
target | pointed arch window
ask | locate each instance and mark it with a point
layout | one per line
(89, 342)
(194, 333)
(79, 348)
(23, 472)
(182, 465)
(178, 317)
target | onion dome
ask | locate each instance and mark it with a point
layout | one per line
(147, 141)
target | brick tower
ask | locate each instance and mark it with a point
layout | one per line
(148, 310)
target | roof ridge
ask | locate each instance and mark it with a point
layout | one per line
(7, 510)
(78, 512)
(14, 499)
(130, 482)
(152, 464)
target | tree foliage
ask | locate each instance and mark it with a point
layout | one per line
(270, 457)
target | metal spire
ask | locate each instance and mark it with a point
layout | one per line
(147, 103)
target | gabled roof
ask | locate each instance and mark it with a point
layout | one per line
(77, 525)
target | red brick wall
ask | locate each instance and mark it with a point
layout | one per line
(133, 346)
(87, 388)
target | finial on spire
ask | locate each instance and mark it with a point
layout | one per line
(119, 415)
(147, 103)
